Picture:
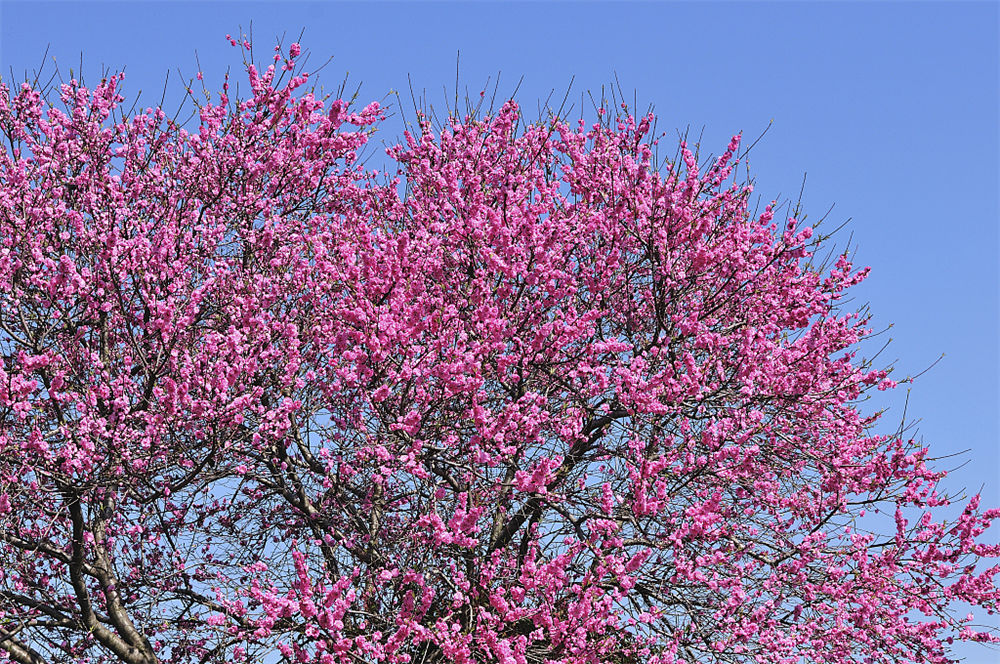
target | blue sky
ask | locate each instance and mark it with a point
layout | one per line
(891, 108)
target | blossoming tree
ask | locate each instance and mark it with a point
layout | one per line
(540, 398)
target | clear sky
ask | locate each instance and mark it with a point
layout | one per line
(891, 108)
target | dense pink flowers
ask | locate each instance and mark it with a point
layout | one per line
(543, 397)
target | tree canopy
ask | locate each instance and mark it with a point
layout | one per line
(534, 395)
